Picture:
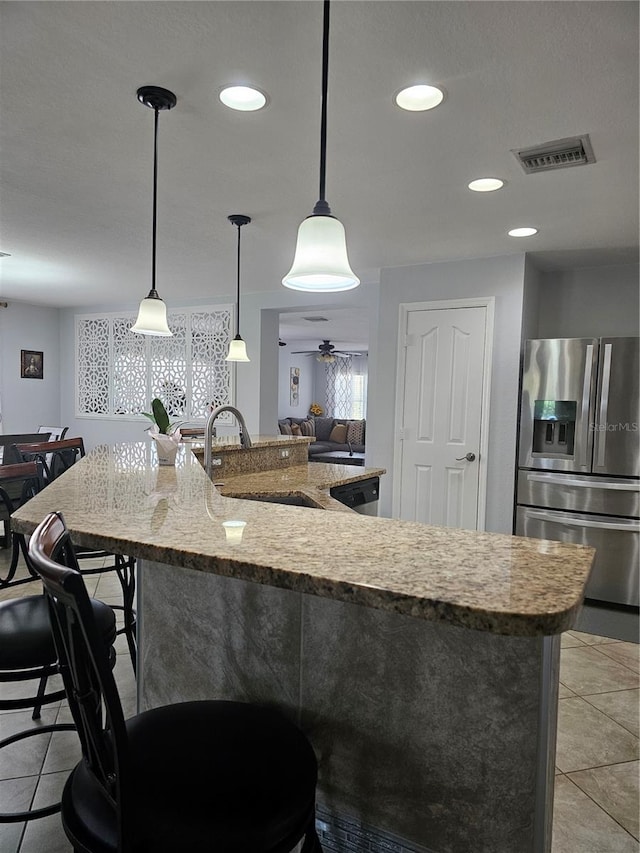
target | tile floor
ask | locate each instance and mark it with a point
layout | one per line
(597, 797)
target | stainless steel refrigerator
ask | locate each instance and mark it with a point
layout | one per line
(579, 455)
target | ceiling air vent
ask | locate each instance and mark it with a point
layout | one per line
(558, 154)
(317, 319)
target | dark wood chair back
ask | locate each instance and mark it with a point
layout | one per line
(18, 483)
(9, 455)
(56, 456)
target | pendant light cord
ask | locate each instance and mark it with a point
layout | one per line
(238, 287)
(322, 208)
(155, 203)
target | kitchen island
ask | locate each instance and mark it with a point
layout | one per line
(422, 662)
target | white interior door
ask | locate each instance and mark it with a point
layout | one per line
(440, 416)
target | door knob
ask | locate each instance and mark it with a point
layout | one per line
(470, 457)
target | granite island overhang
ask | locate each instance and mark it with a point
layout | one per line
(422, 662)
(118, 499)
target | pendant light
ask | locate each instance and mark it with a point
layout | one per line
(152, 316)
(320, 264)
(237, 347)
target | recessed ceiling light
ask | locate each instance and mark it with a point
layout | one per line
(486, 185)
(523, 232)
(244, 98)
(419, 98)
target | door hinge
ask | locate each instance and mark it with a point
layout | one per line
(401, 434)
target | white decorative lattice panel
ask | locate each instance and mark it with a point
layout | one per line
(92, 348)
(118, 373)
(128, 369)
(169, 359)
(211, 374)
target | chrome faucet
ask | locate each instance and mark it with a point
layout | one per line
(210, 433)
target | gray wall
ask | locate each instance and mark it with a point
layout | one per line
(29, 403)
(502, 278)
(590, 303)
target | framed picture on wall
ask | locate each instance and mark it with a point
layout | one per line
(31, 364)
(294, 395)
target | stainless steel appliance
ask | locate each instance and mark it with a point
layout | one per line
(579, 455)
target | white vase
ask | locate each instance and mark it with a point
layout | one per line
(166, 449)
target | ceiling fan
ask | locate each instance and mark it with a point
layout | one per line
(327, 352)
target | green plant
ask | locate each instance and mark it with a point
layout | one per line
(160, 417)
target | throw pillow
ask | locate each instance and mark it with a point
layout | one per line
(355, 432)
(339, 434)
(323, 428)
(307, 427)
(295, 429)
(285, 429)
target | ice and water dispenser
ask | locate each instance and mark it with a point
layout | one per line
(554, 427)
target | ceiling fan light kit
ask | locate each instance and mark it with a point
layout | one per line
(320, 263)
(152, 314)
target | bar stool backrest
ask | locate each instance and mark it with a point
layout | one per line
(83, 657)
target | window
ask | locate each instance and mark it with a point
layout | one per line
(346, 388)
(118, 373)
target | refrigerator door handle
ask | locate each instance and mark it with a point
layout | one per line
(564, 480)
(568, 520)
(586, 399)
(601, 433)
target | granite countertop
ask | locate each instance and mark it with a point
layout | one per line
(117, 498)
(232, 442)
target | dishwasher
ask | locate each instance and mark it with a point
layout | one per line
(361, 496)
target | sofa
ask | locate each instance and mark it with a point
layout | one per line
(331, 434)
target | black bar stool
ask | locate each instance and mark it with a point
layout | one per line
(209, 775)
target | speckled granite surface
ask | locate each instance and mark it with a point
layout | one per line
(118, 498)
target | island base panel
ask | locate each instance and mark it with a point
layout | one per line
(432, 737)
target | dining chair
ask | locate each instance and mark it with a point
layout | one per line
(56, 433)
(208, 775)
(27, 651)
(18, 483)
(57, 457)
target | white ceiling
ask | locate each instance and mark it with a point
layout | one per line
(76, 169)
(346, 328)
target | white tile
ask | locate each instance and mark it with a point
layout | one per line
(627, 654)
(569, 640)
(47, 834)
(25, 757)
(585, 670)
(15, 795)
(581, 826)
(623, 706)
(616, 790)
(592, 639)
(588, 738)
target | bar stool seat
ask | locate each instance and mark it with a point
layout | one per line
(207, 775)
(25, 632)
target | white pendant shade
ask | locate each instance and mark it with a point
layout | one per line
(237, 350)
(321, 264)
(152, 318)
